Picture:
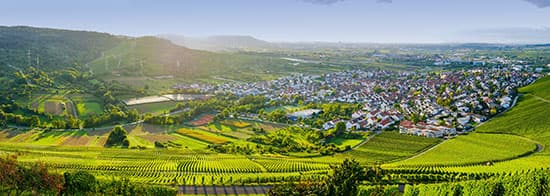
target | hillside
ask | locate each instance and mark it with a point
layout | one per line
(139, 62)
(111, 56)
(149, 56)
(529, 118)
(528, 122)
(50, 49)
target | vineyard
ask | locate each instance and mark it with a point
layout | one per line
(391, 146)
(171, 166)
(487, 147)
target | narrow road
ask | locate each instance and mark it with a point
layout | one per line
(540, 98)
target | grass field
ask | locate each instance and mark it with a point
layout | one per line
(343, 142)
(87, 105)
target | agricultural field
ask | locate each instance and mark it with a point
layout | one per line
(155, 166)
(63, 104)
(202, 120)
(204, 136)
(53, 138)
(236, 123)
(475, 148)
(391, 146)
(539, 88)
(49, 103)
(87, 105)
(241, 129)
(343, 142)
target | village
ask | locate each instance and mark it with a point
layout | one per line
(426, 104)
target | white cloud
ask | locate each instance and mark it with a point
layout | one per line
(540, 3)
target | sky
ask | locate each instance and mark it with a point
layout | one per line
(380, 21)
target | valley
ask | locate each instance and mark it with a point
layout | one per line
(146, 111)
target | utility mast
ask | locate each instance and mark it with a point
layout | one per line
(29, 57)
(141, 67)
(104, 61)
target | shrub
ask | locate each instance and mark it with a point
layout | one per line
(118, 137)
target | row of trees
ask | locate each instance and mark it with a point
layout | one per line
(112, 114)
(35, 179)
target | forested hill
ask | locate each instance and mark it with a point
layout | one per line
(115, 57)
(52, 48)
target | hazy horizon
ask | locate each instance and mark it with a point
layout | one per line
(348, 21)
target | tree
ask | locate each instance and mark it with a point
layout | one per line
(344, 181)
(78, 183)
(34, 178)
(118, 137)
(346, 178)
(340, 128)
(35, 121)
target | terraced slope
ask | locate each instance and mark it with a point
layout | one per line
(508, 135)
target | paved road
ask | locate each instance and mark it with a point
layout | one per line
(224, 190)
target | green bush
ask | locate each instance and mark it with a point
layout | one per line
(118, 137)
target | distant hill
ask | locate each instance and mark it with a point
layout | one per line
(219, 43)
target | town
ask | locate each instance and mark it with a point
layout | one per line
(430, 104)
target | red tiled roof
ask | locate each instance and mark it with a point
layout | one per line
(406, 124)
